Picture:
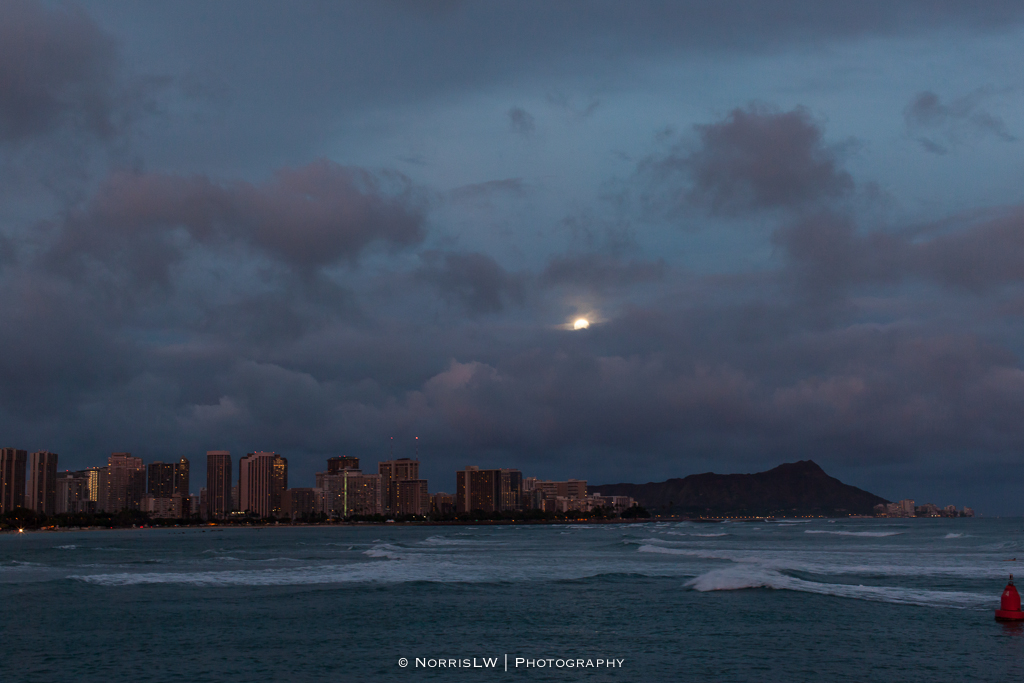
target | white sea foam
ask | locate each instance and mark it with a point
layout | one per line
(19, 564)
(837, 564)
(691, 552)
(445, 541)
(268, 577)
(435, 570)
(952, 535)
(742, 577)
(391, 552)
(65, 547)
(870, 534)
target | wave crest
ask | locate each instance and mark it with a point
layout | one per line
(743, 577)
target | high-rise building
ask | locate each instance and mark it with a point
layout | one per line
(541, 495)
(161, 479)
(174, 506)
(95, 475)
(299, 502)
(12, 478)
(342, 462)
(411, 497)
(167, 492)
(73, 493)
(181, 480)
(218, 484)
(571, 488)
(262, 480)
(442, 504)
(122, 484)
(168, 478)
(391, 472)
(350, 492)
(511, 490)
(42, 483)
(488, 490)
(474, 489)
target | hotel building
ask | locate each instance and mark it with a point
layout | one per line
(218, 485)
(342, 462)
(73, 493)
(442, 503)
(167, 478)
(262, 480)
(301, 501)
(497, 490)
(42, 482)
(167, 490)
(122, 483)
(12, 478)
(391, 472)
(412, 497)
(350, 492)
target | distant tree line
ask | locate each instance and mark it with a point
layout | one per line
(23, 518)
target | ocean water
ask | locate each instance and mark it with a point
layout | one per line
(857, 600)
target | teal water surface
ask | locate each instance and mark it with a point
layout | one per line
(855, 600)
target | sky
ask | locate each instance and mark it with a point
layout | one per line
(319, 228)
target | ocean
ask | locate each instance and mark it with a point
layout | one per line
(815, 600)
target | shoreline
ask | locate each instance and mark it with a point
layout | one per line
(696, 520)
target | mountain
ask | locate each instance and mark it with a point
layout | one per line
(791, 489)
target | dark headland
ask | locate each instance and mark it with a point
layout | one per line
(791, 489)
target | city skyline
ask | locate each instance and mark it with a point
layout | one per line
(342, 489)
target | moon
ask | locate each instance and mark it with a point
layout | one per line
(581, 324)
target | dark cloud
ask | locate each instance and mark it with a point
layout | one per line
(294, 92)
(56, 68)
(756, 158)
(475, 280)
(927, 117)
(521, 121)
(306, 218)
(600, 272)
(984, 255)
(828, 254)
(56, 344)
(406, 52)
(867, 394)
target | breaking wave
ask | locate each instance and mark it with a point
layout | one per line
(830, 564)
(742, 577)
(445, 540)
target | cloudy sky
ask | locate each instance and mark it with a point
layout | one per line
(797, 230)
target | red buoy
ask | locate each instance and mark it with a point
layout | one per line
(1009, 604)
